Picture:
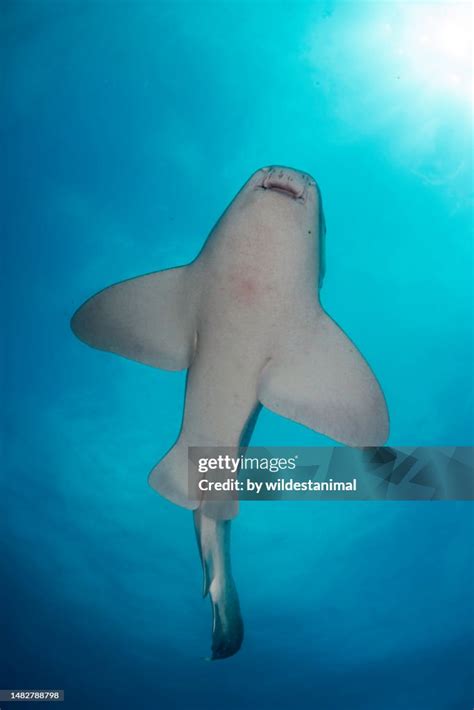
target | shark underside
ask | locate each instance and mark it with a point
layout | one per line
(244, 319)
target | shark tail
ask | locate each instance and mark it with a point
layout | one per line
(213, 538)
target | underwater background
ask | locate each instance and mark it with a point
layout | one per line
(126, 129)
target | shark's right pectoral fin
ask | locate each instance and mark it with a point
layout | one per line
(150, 319)
(318, 378)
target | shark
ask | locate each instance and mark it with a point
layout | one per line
(245, 320)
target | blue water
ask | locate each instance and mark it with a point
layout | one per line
(126, 129)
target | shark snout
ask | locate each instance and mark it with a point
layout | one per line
(293, 183)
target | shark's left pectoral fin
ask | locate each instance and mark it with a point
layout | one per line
(318, 378)
(150, 319)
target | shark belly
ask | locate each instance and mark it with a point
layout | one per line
(244, 319)
(232, 347)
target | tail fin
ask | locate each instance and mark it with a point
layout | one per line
(213, 538)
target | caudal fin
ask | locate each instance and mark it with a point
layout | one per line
(227, 624)
(213, 538)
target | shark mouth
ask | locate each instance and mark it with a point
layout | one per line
(285, 183)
